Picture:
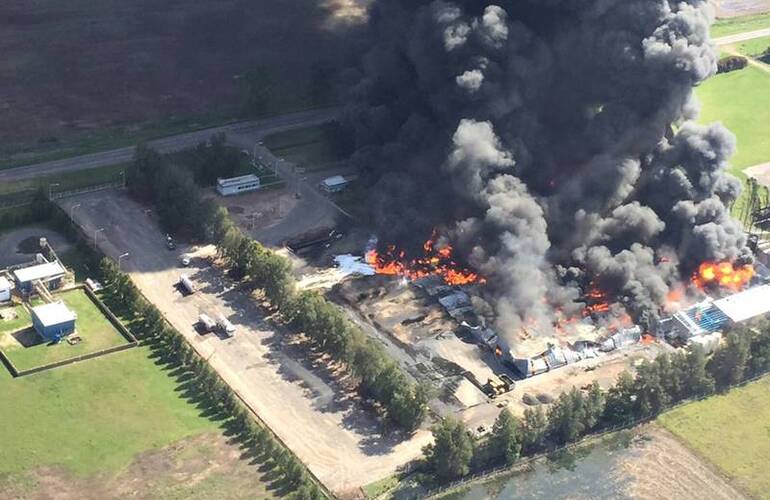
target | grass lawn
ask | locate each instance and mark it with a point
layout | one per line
(92, 326)
(735, 25)
(741, 101)
(10, 326)
(92, 417)
(732, 431)
(754, 47)
(306, 147)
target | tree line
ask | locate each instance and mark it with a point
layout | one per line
(148, 325)
(180, 206)
(659, 384)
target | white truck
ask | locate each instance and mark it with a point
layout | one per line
(227, 328)
(186, 284)
(206, 323)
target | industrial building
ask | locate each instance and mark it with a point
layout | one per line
(704, 322)
(238, 185)
(49, 274)
(53, 321)
(5, 289)
(335, 183)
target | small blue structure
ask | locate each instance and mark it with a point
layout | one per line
(53, 321)
(50, 274)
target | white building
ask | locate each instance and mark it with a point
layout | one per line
(5, 289)
(238, 185)
(334, 184)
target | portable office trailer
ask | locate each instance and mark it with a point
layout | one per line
(185, 283)
(5, 289)
(238, 185)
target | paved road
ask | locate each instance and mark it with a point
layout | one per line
(248, 132)
(742, 37)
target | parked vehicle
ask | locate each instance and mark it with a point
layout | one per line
(227, 328)
(186, 284)
(206, 323)
(184, 259)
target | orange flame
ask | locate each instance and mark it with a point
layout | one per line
(722, 274)
(435, 261)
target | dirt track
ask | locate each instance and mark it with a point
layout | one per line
(297, 397)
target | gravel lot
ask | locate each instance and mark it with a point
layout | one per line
(301, 401)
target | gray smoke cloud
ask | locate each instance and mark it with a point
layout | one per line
(551, 141)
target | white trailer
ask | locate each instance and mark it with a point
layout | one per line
(207, 324)
(227, 328)
(186, 284)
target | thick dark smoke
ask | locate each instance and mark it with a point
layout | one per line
(552, 141)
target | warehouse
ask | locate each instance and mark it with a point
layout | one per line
(238, 185)
(5, 289)
(50, 274)
(53, 321)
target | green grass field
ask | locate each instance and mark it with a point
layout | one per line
(92, 326)
(306, 147)
(741, 101)
(92, 417)
(754, 47)
(726, 27)
(732, 431)
(11, 325)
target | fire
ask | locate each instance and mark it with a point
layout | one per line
(722, 274)
(598, 302)
(435, 261)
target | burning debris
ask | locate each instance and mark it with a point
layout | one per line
(722, 274)
(553, 144)
(436, 260)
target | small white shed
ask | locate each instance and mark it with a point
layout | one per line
(5, 289)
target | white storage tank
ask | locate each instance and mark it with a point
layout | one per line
(5, 289)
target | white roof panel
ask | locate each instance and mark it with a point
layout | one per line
(53, 313)
(747, 304)
(4, 283)
(335, 180)
(42, 271)
(234, 181)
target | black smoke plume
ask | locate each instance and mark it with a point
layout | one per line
(552, 141)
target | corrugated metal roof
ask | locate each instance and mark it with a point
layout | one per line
(54, 313)
(747, 304)
(234, 181)
(42, 271)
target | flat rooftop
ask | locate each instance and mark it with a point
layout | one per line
(41, 271)
(54, 313)
(4, 283)
(747, 304)
(234, 181)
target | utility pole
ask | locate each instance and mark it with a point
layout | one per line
(96, 233)
(121, 257)
(72, 211)
(50, 189)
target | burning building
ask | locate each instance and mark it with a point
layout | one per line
(553, 145)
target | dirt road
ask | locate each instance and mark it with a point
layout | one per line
(742, 37)
(297, 397)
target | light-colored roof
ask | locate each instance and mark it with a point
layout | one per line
(335, 180)
(53, 314)
(4, 283)
(42, 271)
(234, 181)
(747, 304)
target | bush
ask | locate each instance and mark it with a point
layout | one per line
(731, 63)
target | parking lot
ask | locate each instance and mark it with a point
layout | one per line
(299, 398)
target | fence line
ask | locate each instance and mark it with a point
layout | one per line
(89, 189)
(491, 473)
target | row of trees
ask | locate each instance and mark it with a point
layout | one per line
(326, 327)
(149, 326)
(659, 384)
(181, 206)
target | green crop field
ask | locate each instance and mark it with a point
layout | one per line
(732, 431)
(92, 327)
(94, 416)
(741, 101)
(733, 26)
(754, 47)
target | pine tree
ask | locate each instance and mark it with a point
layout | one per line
(506, 439)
